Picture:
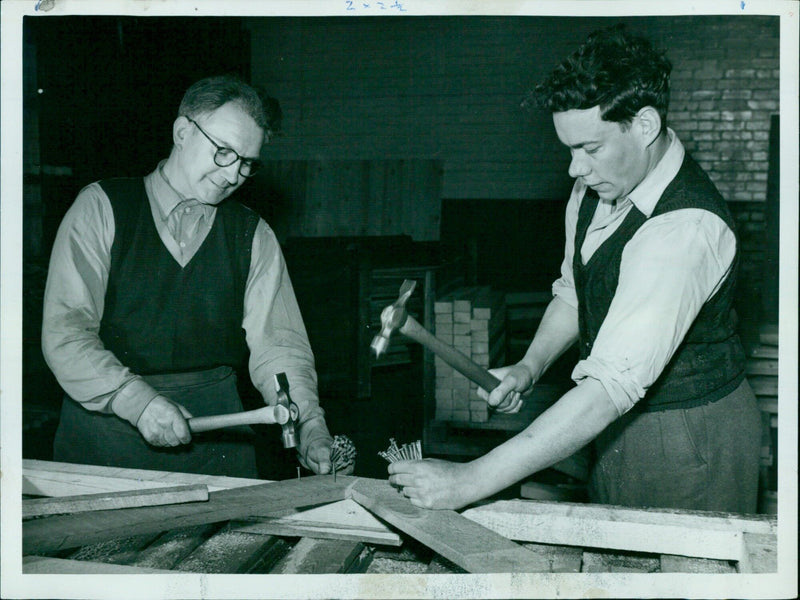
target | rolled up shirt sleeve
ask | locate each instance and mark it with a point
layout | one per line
(276, 335)
(73, 308)
(668, 270)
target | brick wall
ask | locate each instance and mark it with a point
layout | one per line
(725, 89)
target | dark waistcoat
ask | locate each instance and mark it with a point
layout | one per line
(709, 363)
(160, 317)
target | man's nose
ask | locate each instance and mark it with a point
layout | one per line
(578, 167)
(231, 173)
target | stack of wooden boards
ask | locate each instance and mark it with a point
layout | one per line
(473, 321)
(762, 373)
(361, 525)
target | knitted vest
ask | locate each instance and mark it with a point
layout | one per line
(160, 317)
(709, 363)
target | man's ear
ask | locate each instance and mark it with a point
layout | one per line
(180, 130)
(649, 122)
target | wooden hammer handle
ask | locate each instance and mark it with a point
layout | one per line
(261, 416)
(460, 362)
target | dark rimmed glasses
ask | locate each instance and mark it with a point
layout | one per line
(225, 157)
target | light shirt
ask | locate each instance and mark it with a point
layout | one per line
(182, 223)
(671, 266)
(75, 296)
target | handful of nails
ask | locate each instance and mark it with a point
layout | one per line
(343, 453)
(393, 453)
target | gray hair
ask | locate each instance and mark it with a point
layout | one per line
(210, 93)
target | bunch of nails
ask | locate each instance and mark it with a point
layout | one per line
(343, 453)
(393, 453)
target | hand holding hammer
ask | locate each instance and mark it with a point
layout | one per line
(284, 413)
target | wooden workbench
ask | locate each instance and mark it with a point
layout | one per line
(360, 525)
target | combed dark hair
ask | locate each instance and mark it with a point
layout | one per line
(614, 69)
(210, 93)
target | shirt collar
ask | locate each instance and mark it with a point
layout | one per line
(645, 196)
(166, 197)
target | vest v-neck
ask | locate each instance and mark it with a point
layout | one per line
(634, 218)
(171, 246)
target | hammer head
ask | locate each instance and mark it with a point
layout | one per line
(287, 429)
(393, 317)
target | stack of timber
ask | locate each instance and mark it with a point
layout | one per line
(360, 525)
(473, 321)
(762, 373)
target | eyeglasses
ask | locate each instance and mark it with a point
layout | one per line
(225, 157)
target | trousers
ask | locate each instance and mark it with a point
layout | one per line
(701, 458)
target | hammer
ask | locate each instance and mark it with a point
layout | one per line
(285, 413)
(395, 317)
(260, 416)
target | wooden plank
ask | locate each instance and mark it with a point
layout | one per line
(47, 478)
(705, 535)
(763, 385)
(768, 334)
(57, 532)
(338, 520)
(760, 554)
(39, 565)
(759, 366)
(758, 351)
(36, 507)
(467, 544)
(768, 404)
(319, 530)
(321, 557)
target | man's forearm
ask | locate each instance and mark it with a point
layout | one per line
(557, 331)
(563, 429)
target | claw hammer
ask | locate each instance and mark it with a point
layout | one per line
(395, 317)
(284, 413)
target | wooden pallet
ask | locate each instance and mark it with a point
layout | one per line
(361, 525)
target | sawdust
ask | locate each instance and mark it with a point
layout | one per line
(390, 566)
(120, 551)
(222, 553)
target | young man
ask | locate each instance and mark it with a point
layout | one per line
(158, 290)
(646, 290)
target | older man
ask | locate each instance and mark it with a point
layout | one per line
(161, 287)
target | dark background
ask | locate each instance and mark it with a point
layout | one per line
(435, 94)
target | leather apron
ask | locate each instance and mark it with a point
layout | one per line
(90, 437)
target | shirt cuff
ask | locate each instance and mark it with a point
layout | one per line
(129, 403)
(624, 392)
